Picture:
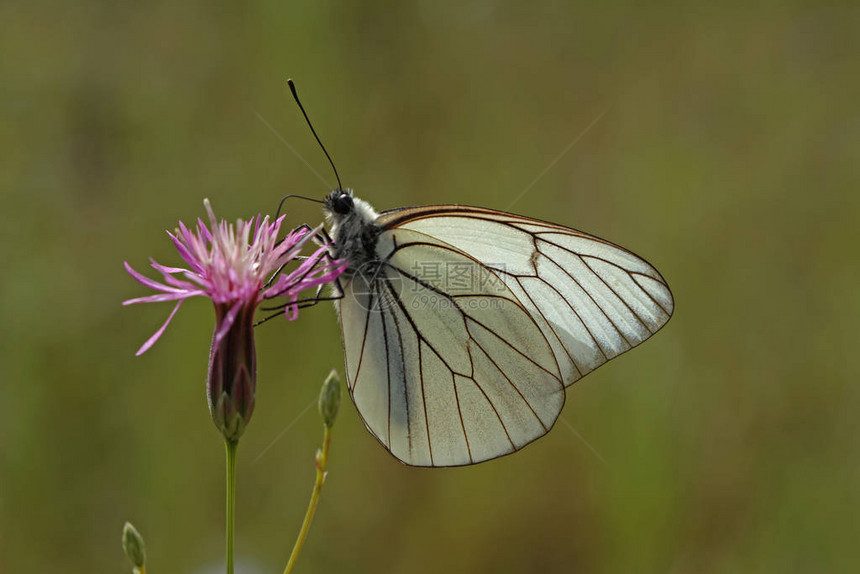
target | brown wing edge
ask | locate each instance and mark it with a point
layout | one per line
(392, 218)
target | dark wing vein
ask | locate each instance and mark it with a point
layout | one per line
(363, 340)
(548, 324)
(405, 383)
(464, 314)
(568, 303)
(460, 412)
(590, 296)
(510, 382)
(486, 396)
(634, 274)
(424, 403)
(582, 258)
(423, 339)
(387, 366)
(620, 298)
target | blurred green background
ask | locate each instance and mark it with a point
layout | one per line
(727, 156)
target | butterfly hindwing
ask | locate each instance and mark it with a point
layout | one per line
(445, 372)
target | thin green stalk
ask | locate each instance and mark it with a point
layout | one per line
(322, 458)
(231, 500)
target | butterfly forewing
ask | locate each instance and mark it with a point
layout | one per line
(592, 299)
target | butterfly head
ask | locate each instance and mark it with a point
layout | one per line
(339, 203)
(351, 219)
(341, 206)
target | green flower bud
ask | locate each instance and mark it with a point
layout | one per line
(330, 398)
(132, 544)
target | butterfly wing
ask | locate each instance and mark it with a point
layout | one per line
(592, 299)
(444, 374)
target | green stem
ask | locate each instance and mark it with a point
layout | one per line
(322, 458)
(231, 500)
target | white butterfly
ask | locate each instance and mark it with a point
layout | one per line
(462, 326)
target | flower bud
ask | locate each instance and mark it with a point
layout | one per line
(330, 398)
(232, 380)
(132, 544)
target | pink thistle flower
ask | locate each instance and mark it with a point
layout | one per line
(232, 266)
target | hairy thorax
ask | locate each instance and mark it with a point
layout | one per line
(354, 237)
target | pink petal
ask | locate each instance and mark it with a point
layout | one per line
(211, 213)
(226, 323)
(295, 237)
(257, 222)
(191, 241)
(173, 281)
(199, 279)
(304, 272)
(146, 281)
(204, 231)
(163, 297)
(290, 247)
(291, 311)
(189, 257)
(151, 341)
(165, 268)
(310, 283)
(304, 268)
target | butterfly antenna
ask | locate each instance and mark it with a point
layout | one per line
(313, 131)
(286, 197)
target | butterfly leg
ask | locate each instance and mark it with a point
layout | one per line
(310, 302)
(303, 303)
(321, 238)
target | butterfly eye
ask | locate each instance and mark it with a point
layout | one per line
(342, 204)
